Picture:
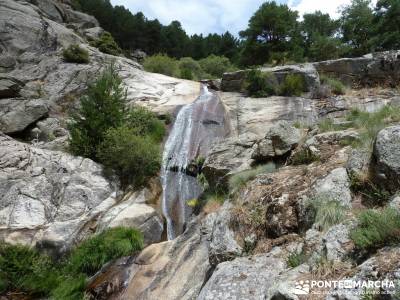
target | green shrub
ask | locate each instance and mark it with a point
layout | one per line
(70, 287)
(24, 269)
(295, 259)
(93, 253)
(293, 85)
(372, 194)
(335, 85)
(161, 64)
(134, 158)
(75, 54)
(107, 44)
(237, 181)
(303, 157)
(216, 66)
(327, 212)
(257, 84)
(370, 124)
(145, 123)
(190, 69)
(376, 229)
(102, 108)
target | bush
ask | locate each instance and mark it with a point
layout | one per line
(190, 69)
(102, 108)
(145, 123)
(24, 269)
(327, 212)
(293, 85)
(335, 85)
(216, 66)
(76, 54)
(237, 181)
(161, 64)
(134, 158)
(257, 84)
(295, 259)
(107, 44)
(376, 229)
(93, 253)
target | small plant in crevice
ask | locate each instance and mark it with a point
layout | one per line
(238, 181)
(372, 194)
(296, 258)
(304, 157)
(376, 228)
(107, 44)
(76, 54)
(327, 212)
(335, 85)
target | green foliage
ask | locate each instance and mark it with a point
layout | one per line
(102, 107)
(144, 123)
(271, 29)
(70, 287)
(75, 54)
(162, 64)
(324, 48)
(293, 85)
(107, 44)
(257, 84)
(216, 66)
(190, 69)
(336, 86)
(370, 124)
(327, 212)
(93, 253)
(237, 181)
(295, 259)
(371, 193)
(24, 269)
(376, 229)
(304, 157)
(134, 158)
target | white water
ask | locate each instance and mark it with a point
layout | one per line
(178, 187)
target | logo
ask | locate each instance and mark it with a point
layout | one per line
(302, 287)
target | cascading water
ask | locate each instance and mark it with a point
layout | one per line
(196, 126)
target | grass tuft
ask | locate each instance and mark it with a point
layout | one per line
(327, 212)
(237, 181)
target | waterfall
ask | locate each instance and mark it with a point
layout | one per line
(196, 126)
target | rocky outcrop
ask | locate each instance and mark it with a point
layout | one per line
(386, 155)
(174, 270)
(280, 139)
(233, 82)
(223, 246)
(243, 278)
(377, 68)
(227, 157)
(135, 213)
(48, 198)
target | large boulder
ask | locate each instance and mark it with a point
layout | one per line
(48, 197)
(386, 155)
(280, 139)
(135, 213)
(17, 114)
(243, 278)
(223, 246)
(174, 270)
(227, 157)
(377, 68)
(9, 88)
(335, 186)
(233, 82)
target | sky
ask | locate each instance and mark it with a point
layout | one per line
(218, 16)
